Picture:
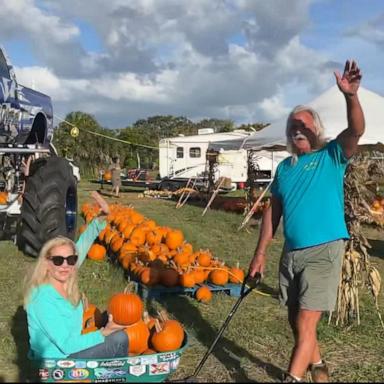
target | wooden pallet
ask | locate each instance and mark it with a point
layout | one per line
(157, 291)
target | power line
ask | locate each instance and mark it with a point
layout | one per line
(105, 136)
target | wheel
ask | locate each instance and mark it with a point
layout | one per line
(49, 205)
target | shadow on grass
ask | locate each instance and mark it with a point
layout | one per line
(19, 330)
(377, 249)
(226, 351)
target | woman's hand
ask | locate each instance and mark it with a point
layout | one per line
(104, 207)
(111, 327)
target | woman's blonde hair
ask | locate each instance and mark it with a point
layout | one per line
(317, 124)
(38, 275)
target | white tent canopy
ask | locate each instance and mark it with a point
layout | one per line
(332, 110)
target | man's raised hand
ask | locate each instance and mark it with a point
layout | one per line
(350, 81)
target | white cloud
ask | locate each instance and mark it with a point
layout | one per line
(222, 59)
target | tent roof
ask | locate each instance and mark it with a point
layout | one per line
(332, 110)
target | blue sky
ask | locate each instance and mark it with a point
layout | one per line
(252, 61)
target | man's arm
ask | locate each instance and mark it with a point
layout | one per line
(349, 84)
(269, 224)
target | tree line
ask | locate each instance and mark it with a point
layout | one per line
(92, 152)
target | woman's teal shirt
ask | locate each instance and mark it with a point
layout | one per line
(54, 324)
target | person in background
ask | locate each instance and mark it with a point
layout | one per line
(116, 178)
(308, 192)
(54, 307)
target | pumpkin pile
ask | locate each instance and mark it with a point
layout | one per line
(154, 254)
(146, 334)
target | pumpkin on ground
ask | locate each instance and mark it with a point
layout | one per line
(204, 294)
(97, 252)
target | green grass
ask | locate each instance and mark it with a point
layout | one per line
(256, 345)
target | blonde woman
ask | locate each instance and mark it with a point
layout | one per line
(53, 305)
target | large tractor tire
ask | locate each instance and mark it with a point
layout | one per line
(49, 205)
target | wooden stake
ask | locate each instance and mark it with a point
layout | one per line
(255, 205)
(190, 190)
(214, 194)
(182, 195)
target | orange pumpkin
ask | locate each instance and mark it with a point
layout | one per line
(154, 237)
(166, 322)
(136, 217)
(204, 258)
(199, 276)
(219, 277)
(236, 275)
(107, 176)
(150, 276)
(97, 252)
(126, 260)
(181, 260)
(187, 280)
(174, 239)
(137, 237)
(126, 308)
(128, 230)
(92, 318)
(165, 339)
(204, 294)
(128, 248)
(138, 335)
(116, 243)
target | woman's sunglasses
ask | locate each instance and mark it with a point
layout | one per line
(59, 260)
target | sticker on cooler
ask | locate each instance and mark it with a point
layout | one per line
(92, 364)
(159, 368)
(78, 373)
(137, 370)
(109, 373)
(145, 360)
(66, 363)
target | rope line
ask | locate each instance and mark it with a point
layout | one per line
(107, 137)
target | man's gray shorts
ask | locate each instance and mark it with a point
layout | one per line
(309, 277)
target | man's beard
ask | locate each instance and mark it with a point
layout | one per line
(313, 140)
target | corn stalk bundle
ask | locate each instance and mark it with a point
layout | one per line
(253, 173)
(362, 176)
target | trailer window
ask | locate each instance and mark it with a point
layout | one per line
(195, 152)
(179, 152)
(4, 72)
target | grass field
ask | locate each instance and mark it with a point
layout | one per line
(256, 345)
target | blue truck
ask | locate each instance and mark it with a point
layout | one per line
(38, 190)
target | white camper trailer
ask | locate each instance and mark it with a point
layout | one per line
(184, 157)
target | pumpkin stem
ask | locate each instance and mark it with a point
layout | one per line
(237, 265)
(163, 315)
(130, 287)
(158, 326)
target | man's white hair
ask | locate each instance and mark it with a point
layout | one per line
(319, 129)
